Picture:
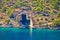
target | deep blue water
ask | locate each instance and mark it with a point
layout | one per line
(26, 34)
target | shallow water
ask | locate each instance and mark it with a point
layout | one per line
(27, 34)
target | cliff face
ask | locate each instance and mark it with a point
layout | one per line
(3, 18)
(41, 12)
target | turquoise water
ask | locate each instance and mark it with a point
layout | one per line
(26, 34)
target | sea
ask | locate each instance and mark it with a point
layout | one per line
(29, 34)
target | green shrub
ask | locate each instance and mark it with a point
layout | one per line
(56, 23)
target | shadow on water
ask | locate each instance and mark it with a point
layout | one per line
(25, 34)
